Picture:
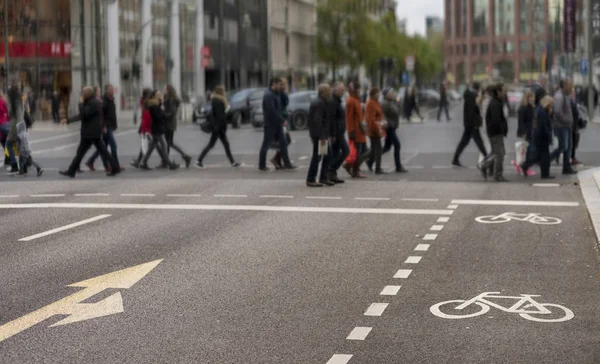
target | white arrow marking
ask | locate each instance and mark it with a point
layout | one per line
(77, 311)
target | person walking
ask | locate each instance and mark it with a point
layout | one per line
(337, 120)
(472, 122)
(539, 89)
(392, 117)
(4, 127)
(563, 124)
(443, 103)
(576, 134)
(171, 107)
(375, 127)
(319, 131)
(273, 126)
(25, 158)
(219, 124)
(15, 114)
(90, 114)
(285, 100)
(56, 107)
(145, 129)
(497, 130)
(541, 137)
(356, 129)
(158, 127)
(525, 126)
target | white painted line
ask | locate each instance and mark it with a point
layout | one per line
(516, 203)
(340, 359)
(546, 185)
(302, 158)
(390, 290)
(231, 196)
(323, 198)
(49, 195)
(9, 196)
(139, 206)
(421, 199)
(92, 194)
(430, 236)
(412, 156)
(422, 247)
(441, 167)
(63, 228)
(443, 219)
(403, 273)
(372, 198)
(452, 207)
(437, 228)
(137, 195)
(56, 137)
(182, 195)
(415, 167)
(413, 260)
(376, 309)
(359, 333)
(276, 196)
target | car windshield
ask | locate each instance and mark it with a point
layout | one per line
(239, 96)
(303, 97)
(257, 95)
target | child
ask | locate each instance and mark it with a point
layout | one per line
(25, 159)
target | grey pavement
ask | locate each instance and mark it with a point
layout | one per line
(257, 268)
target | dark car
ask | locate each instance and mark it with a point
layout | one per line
(239, 108)
(255, 100)
(297, 110)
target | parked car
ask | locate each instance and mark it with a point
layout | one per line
(454, 96)
(255, 100)
(429, 98)
(515, 97)
(298, 109)
(239, 108)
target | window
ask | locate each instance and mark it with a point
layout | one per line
(524, 14)
(524, 46)
(474, 49)
(509, 47)
(464, 49)
(539, 17)
(481, 17)
(483, 48)
(504, 17)
(464, 18)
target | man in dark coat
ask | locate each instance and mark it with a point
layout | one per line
(443, 103)
(90, 115)
(472, 123)
(109, 118)
(320, 132)
(55, 107)
(539, 89)
(497, 130)
(337, 120)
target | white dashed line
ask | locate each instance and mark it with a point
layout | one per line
(63, 228)
(515, 203)
(415, 167)
(403, 273)
(546, 185)
(421, 199)
(302, 158)
(376, 309)
(441, 167)
(413, 260)
(452, 207)
(9, 196)
(340, 359)
(390, 290)
(50, 195)
(359, 333)
(137, 195)
(276, 196)
(430, 236)
(231, 196)
(437, 228)
(443, 219)
(182, 195)
(372, 198)
(323, 198)
(92, 194)
(422, 247)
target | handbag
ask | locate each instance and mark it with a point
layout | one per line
(353, 155)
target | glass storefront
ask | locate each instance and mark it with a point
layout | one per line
(481, 17)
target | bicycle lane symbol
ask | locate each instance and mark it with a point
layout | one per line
(525, 306)
(533, 218)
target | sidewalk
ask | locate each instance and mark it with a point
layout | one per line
(589, 181)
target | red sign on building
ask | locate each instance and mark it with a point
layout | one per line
(30, 50)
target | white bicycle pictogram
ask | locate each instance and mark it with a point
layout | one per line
(525, 306)
(533, 218)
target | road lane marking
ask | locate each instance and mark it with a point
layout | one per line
(49, 195)
(546, 185)
(443, 219)
(71, 145)
(415, 167)
(430, 236)
(390, 290)
(412, 156)
(413, 260)
(138, 195)
(264, 208)
(302, 158)
(92, 194)
(376, 309)
(422, 247)
(421, 199)
(372, 198)
(403, 273)
(231, 196)
(9, 196)
(276, 196)
(359, 333)
(323, 198)
(516, 203)
(441, 167)
(340, 359)
(452, 207)
(437, 228)
(182, 195)
(63, 228)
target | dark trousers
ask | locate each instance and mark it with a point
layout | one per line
(84, 145)
(392, 140)
(564, 146)
(470, 132)
(496, 160)
(55, 116)
(271, 135)
(314, 163)
(25, 161)
(376, 153)
(158, 143)
(576, 136)
(222, 135)
(339, 153)
(444, 106)
(10, 145)
(169, 135)
(109, 141)
(541, 156)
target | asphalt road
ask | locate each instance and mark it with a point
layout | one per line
(238, 266)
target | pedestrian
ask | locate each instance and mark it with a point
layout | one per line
(4, 127)
(171, 107)
(109, 126)
(218, 118)
(575, 134)
(563, 124)
(539, 88)
(273, 125)
(32, 103)
(56, 107)
(337, 121)
(392, 117)
(357, 129)
(158, 128)
(413, 104)
(145, 129)
(443, 103)
(472, 122)
(375, 129)
(285, 100)
(320, 133)
(90, 114)
(497, 130)
(25, 158)
(525, 129)
(15, 114)
(541, 137)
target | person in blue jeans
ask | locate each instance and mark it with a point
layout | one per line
(337, 119)
(392, 116)
(562, 124)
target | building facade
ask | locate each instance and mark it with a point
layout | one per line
(433, 25)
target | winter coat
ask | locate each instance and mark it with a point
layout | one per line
(109, 112)
(373, 114)
(219, 116)
(55, 103)
(90, 115)
(337, 117)
(171, 106)
(23, 137)
(539, 91)
(3, 112)
(146, 124)
(471, 112)
(576, 118)
(542, 127)
(285, 101)
(272, 110)
(354, 116)
(318, 122)
(495, 119)
(563, 116)
(15, 116)
(391, 114)
(525, 121)
(158, 116)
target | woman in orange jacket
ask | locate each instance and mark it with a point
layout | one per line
(356, 129)
(375, 129)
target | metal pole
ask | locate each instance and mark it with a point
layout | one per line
(82, 41)
(99, 37)
(269, 44)
(222, 41)
(590, 57)
(6, 58)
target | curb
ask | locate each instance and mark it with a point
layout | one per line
(590, 189)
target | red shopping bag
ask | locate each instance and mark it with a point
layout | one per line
(351, 159)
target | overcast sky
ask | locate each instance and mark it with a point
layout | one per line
(416, 11)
